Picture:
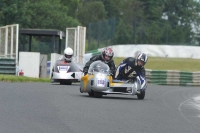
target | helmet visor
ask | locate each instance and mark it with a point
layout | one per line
(68, 56)
(107, 58)
(140, 63)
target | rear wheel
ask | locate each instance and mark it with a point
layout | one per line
(65, 82)
(61, 82)
(68, 83)
(141, 95)
(51, 80)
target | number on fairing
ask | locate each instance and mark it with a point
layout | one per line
(63, 68)
(101, 82)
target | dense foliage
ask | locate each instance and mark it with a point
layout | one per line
(137, 21)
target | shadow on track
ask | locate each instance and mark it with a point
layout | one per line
(114, 97)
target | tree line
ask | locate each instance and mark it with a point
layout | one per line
(159, 21)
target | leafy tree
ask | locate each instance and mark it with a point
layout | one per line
(91, 11)
(131, 9)
(112, 7)
(50, 14)
(12, 12)
(182, 12)
(72, 5)
(182, 16)
(153, 9)
(123, 34)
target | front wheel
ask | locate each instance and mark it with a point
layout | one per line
(81, 90)
(91, 94)
(97, 94)
(141, 95)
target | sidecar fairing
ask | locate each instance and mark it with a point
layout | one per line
(130, 87)
(99, 82)
(66, 72)
(97, 79)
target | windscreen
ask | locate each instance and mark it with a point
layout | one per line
(100, 67)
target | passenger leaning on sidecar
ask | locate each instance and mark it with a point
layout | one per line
(131, 67)
(106, 56)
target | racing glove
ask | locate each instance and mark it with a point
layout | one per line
(85, 73)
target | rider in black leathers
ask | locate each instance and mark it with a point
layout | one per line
(131, 67)
(106, 56)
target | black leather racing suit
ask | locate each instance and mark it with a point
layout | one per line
(128, 69)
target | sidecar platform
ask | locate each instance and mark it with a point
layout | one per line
(120, 83)
(120, 87)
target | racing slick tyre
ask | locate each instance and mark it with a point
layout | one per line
(64, 82)
(141, 95)
(69, 83)
(97, 94)
(91, 94)
(51, 80)
(81, 90)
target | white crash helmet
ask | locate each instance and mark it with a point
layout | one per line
(68, 53)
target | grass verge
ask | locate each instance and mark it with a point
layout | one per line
(13, 78)
(181, 64)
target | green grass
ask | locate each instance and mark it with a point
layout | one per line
(187, 65)
(13, 78)
(182, 64)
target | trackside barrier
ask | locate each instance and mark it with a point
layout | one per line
(173, 77)
(7, 66)
(94, 52)
(89, 54)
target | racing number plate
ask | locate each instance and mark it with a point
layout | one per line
(63, 68)
(101, 82)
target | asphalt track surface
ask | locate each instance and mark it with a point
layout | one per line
(54, 108)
